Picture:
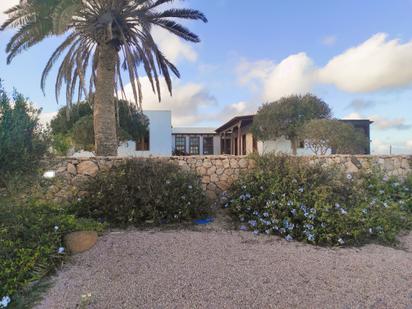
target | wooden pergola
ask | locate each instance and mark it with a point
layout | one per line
(234, 136)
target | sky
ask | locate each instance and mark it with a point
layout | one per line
(355, 55)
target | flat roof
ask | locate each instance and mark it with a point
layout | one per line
(193, 130)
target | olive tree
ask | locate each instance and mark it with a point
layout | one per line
(323, 135)
(287, 116)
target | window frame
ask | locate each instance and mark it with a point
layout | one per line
(178, 145)
(191, 145)
(210, 147)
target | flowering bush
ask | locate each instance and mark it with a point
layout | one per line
(320, 205)
(31, 243)
(143, 191)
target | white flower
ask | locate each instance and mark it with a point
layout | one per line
(340, 241)
(190, 187)
(370, 231)
(289, 238)
(49, 174)
(349, 176)
(5, 301)
(60, 250)
(56, 227)
(343, 211)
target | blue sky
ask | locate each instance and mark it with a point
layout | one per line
(356, 55)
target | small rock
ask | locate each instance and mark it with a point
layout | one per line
(78, 242)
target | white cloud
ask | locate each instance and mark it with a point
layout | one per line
(409, 144)
(376, 64)
(294, 75)
(186, 104)
(174, 48)
(329, 40)
(5, 5)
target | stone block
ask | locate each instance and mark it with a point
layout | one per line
(87, 168)
(71, 169)
(79, 242)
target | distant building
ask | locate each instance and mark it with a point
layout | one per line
(232, 138)
(195, 141)
(236, 138)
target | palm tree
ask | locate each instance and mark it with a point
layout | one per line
(103, 38)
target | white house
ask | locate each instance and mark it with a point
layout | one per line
(158, 142)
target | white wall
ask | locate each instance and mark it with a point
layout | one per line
(160, 128)
(282, 145)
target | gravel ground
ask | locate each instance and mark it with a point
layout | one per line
(223, 269)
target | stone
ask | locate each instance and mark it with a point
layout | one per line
(388, 164)
(87, 168)
(211, 187)
(220, 171)
(71, 169)
(405, 164)
(61, 170)
(226, 163)
(211, 195)
(354, 161)
(80, 180)
(243, 163)
(78, 242)
(234, 163)
(211, 170)
(205, 179)
(105, 165)
(201, 171)
(214, 178)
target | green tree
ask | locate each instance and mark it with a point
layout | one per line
(23, 142)
(78, 127)
(323, 135)
(102, 38)
(287, 116)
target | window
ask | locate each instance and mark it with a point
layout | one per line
(180, 144)
(207, 145)
(194, 145)
(143, 143)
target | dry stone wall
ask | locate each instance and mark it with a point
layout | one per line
(217, 172)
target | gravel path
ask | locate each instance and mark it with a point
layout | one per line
(223, 269)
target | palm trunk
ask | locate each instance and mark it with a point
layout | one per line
(104, 116)
(294, 142)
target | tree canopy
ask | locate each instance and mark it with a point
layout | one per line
(287, 116)
(76, 123)
(102, 39)
(323, 135)
(23, 142)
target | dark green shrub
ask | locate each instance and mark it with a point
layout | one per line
(31, 242)
(82, 133)
(144, 190)
(320, 205)
(23, 142)
(75, 125)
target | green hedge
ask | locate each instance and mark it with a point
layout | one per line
(142, 191)
(320, 205)
(31, 242)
